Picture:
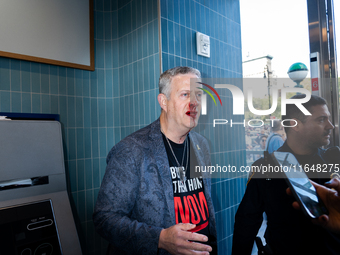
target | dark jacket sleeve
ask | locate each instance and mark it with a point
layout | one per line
(248, 218)
(113, 217)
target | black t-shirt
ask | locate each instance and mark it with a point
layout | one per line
(189, 198)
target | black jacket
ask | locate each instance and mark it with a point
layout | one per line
(288, 230)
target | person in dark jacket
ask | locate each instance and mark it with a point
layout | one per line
(148, 202)
(288, 230)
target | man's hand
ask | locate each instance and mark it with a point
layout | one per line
(331, 199)
(178, 239)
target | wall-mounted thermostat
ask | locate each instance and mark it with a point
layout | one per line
(203, 44)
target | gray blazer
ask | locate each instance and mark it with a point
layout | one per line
(135, 200)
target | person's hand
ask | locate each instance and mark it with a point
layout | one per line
(178, 239)
(331, 199)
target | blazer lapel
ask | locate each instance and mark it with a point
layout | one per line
(159, 153)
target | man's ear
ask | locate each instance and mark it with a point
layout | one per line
(295, 125)
(163, 101)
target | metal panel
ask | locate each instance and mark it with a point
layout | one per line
(322, 40)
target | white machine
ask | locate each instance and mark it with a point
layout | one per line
(35, 212)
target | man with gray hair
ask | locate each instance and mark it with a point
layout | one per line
(148, 202)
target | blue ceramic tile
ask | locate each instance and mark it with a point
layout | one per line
(177, 40)
(87, 112)
(146, 74)
(102, 142)
(108, 26)
(147, 107)
(71, 111)
(141, 109)
(144, 15)
(101, 82)
(15, 76)
(5, 74)
(78, 82)
(176, 7)
(35, 77)
(115, 53)
(177, 61)
(133, 50)
(128, 111)
(150, 35)
(149, 10)
(87, 143)
(80, 175)
(88, 174)
(36, 103)
(138, 13)
(99, 53)
(128, 48)
(62, 81)
(98, 5)
(164, 8)
(109, 112)
(155, 37)
(197, 14)
(121, 81)
(170, 9)
(114, 24)
(164, 30)
(71, 144)
(15, 102)
(95, 145)
(108, 83)
(139, 39)
(102, 112)
(192, 11)
(72, 175)
(134, 15)
(94, 112)
(81, 207)
(96, 173)
(26, 77)
(70, 82)
(110, 141)
(108, 54)
(117, 111)
(186, 7)
(135, 77)
(45, 104)
(144, 41)
(80, 143)
(93, 84)
(182, 13)
(171, 61)
(140, 75)
(129, 80)
(171, 38)
(151, 71)
(26, 102)
(99, 23)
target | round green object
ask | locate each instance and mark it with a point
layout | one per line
(297, 67)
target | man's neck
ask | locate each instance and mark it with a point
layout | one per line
(172, 132)
(299, 148)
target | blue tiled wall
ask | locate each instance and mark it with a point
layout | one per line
(97, 109)
(180, 20)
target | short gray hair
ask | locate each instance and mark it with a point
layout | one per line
(166, 78)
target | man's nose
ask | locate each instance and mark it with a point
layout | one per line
(330, 125)
(193, 101)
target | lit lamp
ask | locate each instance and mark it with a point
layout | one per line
(297, 72)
